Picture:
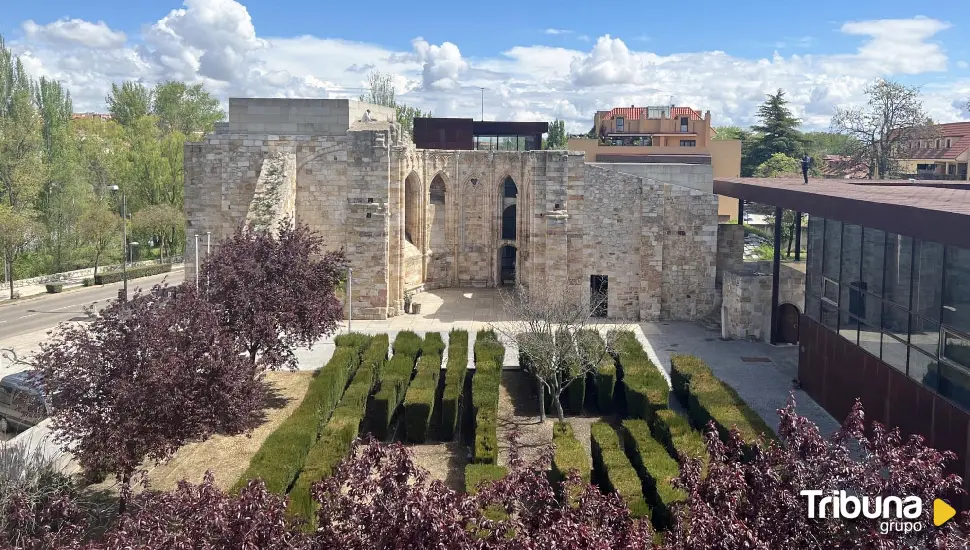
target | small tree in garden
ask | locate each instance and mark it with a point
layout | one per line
(752, 500)
(549, 326)
(144, 378)
(275, 292)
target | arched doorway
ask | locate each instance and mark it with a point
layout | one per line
(506, 255)
(510, 191)
(508, 222)
(788, 316)
(439, 265)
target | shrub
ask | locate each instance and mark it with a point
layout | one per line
(476, 474)
(54, 288)
(568, 454)
(132, 273)
(489, 354)
(407, 343)
(419, 400)
(88, 281)
(335, 440)
(682, 368)
(393, 381)
(656, 470)
(677, 436)
(281, 456)
(710, 399)
(605, 384)
(433, 344)
(454, 383)
(353, 340)
(614, 470)
(646, 388)
(575, 392)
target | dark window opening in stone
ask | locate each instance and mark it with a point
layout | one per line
(437, 192)
(599, 294)
(507, 263)
(508, 222)
(511, 191)
(412, 210)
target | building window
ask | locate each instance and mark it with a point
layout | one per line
(683, 123)
(947, 143)
(688, 143)
(619, 124)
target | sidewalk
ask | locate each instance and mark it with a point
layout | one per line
(41, 288)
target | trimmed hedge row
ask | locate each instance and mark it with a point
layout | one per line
(133, 273)
(393, 382)
(454, 383)
(614, 470)
(710, 399)
(604, 378)
(419, 399)
(489, 356)
(352, 340)
(656, 470)
(575, 393)
(282, 455)
(646, 388)
(335, 440)
(569, 454)
(476, 474)
(677, 436)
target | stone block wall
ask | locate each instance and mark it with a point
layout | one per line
(746, 297)
(309, 117)
(689, 251)
(274, 198)
(730, 249)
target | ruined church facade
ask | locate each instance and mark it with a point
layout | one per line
(411, 220)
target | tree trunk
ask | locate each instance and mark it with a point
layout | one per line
(125, 492)
(97, 258)
(558, 406)
(542, 402)
(8, 266)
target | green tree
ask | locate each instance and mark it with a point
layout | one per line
(892, 116)
(381, 92)
(129, 102)
(21, 150)
(101, 227)
(16, 232)
(184, 109)
(161, 223)
(406, 115)
(146, 174)
(778, 130)
(102, 151)
(557, 138)
(778, 165)
(730, 132)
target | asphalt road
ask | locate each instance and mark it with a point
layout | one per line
(48, 310)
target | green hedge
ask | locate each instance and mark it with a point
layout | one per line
(393, 381)
(656, 469)
(476, 474)
(645, 386)
(454, 383)
(352, 340)
(489, 356)
(682, 368)
(568, 454)
(335, 440)
(614, 470)
(575, 392)
(675, 433)
(419, 400)
(408, 343)
(604, 377)
(133, 273)
(710, 399)
(281, 456)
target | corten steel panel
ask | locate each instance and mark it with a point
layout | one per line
(834, 372)
(503, 128)
(930, 213)
(444, 133)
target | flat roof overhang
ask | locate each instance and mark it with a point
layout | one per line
(651, 134)
(938, 213)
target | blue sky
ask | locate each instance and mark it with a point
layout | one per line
(535, 59)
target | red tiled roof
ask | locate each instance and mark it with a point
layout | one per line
(639, 113)
(958, 130)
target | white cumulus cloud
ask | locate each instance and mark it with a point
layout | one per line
(78, 31)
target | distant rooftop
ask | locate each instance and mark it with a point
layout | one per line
(641, 113)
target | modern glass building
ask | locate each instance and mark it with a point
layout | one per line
(887, 300)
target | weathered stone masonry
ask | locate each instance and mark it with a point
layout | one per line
(411, 219)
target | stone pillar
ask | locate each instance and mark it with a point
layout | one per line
(651, 249)
(730, 249)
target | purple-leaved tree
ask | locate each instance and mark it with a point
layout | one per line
(751, 499)
(276, 292)
(144, 378)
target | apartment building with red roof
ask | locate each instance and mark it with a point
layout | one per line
(944, 155)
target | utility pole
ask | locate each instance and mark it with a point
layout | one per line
(208, 249)
(350, 294)
(483, 104)
(124, 241)
(196, 261)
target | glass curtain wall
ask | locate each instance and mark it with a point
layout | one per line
(905, 301)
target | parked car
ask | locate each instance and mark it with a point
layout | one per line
(22, 403)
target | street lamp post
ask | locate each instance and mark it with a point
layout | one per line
(350, 297)
(208, 249)
(124, 240)
(196, 261)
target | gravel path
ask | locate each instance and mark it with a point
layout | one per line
(518, 408)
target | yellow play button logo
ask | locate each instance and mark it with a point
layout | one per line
(942, 512)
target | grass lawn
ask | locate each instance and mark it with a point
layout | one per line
(228, 457)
